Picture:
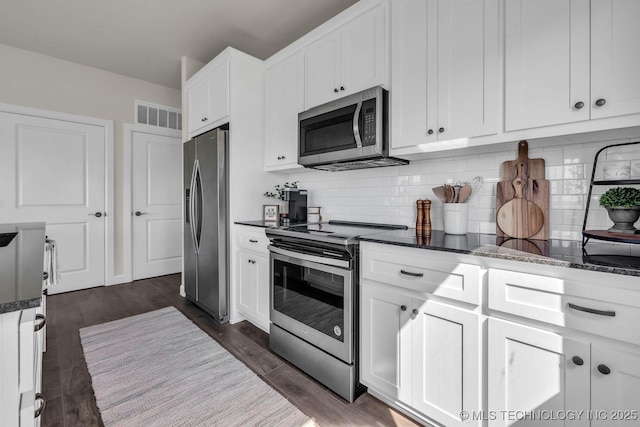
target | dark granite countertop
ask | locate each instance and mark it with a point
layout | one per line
(21, 266)
(258, 223)
(597, 256)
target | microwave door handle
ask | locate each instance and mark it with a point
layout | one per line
(356, 125)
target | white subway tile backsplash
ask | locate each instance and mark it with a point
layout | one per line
(389, 194)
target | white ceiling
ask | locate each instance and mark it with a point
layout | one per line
(145, 39)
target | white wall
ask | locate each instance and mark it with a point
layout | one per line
(38, 81)
(389, 195)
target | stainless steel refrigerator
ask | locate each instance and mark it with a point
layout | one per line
(206, 235)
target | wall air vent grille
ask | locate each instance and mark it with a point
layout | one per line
(158, 115)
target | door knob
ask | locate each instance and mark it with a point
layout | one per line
(577, 360)
(415, 312)
(579, 105)
(403, 307)
(138, 213)
(97, 214)
(600, 102)
(430, 131)
(604, 369)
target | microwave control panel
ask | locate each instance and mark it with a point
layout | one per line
(369, 122)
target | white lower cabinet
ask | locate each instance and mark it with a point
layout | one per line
(421, 353)
(252, 275)
(531, 370)
(21, 369)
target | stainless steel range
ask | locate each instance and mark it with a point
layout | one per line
(314, 299)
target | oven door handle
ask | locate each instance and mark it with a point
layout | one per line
(311, 258)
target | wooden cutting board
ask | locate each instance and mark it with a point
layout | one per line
(536, 190)
(534, 168)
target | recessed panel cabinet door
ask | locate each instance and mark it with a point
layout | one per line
(615, 58)
(615, 381)
(284, 99)
(322, 70)
(446, 364)
(385, 345)
(546, 62)
(534, 370)
(444, 70)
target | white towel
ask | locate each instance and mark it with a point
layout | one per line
(51, 262)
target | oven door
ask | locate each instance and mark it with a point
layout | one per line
(313, 300)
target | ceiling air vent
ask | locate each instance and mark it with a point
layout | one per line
(158, 115)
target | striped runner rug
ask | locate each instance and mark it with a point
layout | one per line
(160, 369)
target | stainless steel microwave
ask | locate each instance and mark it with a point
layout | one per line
(348, 133)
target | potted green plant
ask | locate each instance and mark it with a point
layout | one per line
(623, 206)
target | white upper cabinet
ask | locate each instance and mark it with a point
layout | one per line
(570, 60)
(615, 58)
(444, 64)
(284, 99)
(347, 60)
(546, 62)
(208, 99)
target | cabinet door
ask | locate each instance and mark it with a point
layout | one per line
(446, 363)
(219, 93)
(322, 70)
(534, 370)
(284, 93)
(467, 73)
(413, 101)
(385, 342)
(444, 63)
(615, 393)
(198, 104)
(247, 280)
(262, 290)
(362, 52)
(546, 62)
(615, 58)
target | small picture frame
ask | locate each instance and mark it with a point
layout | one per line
(270, 213)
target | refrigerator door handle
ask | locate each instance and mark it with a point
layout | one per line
(199, 201)
(192, 202)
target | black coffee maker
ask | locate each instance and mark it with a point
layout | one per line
(296, 200)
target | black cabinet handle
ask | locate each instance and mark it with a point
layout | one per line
(403, 307)
(577, 361)
(579, 105)
(441, 130)
(415, 311)
(604, 369)
(40, 325)
(283, 157)
(204, 119)
(253, 241)
(608, 313)
(341, 87)
(430, 131)
(138, 213)
(409, 273)
(600, 102)
(40, 397)
(97, 214)
(251, 261)
(335, 90)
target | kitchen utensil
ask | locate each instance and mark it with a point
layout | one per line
(450, 193)
(456, 193)
(440, 193)
(465, 192)
(519, 217)
(534, 168)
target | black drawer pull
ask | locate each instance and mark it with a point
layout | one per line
(577, 360)
(409, 273)
(608, 313)
(253, 241)
(40, 325)
(41, 398)
(604, 369)
(403, 307)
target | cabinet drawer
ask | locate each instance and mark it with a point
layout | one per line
(421, 271)
(589, 307)
(252, 239)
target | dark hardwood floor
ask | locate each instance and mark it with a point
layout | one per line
(67, 384)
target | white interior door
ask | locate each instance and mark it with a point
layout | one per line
(54, 171)
(157, 205)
